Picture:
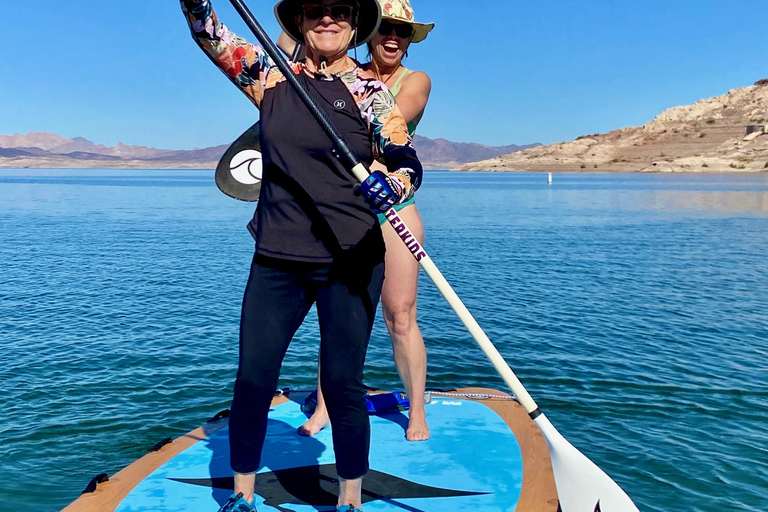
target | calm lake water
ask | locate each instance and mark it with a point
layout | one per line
(633, 307)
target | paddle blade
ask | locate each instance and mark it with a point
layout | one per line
(581, 485)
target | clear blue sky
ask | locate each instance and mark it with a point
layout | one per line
(503, 72)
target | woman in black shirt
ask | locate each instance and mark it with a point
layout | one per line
(317, 242)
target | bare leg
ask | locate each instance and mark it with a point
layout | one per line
(319, 419)
(351, 492)
(245, 483)
(398, 300)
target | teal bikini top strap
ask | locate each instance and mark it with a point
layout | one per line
(396, 88)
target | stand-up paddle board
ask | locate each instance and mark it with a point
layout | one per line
(239, 171)
(484, 454)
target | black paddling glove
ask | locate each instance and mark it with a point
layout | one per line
(404, 159)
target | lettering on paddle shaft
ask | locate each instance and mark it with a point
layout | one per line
(410, 241)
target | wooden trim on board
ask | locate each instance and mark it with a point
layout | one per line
(108, 495)
(538, 493)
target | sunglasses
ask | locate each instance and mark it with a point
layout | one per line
(402, 30)
(339, 12)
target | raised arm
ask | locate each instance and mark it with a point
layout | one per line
(414, 95)
(285, 43)
(245, 64)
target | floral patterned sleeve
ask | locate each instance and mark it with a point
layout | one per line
(246, 64)
(392, 144)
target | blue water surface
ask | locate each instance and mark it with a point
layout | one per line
(633, 308)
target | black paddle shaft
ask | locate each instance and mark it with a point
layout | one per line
(342, 151)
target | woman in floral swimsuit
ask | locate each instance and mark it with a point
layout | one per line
(388, 47)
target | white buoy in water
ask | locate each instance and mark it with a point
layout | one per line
(549, 178)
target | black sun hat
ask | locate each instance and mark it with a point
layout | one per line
(368, 19)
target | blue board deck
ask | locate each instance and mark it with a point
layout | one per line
(472, 462)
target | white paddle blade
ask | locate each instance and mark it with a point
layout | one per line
(581, 485)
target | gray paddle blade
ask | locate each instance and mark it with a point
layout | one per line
(238, 174)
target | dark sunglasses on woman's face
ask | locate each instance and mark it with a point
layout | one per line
(401, 30)
(339, 12)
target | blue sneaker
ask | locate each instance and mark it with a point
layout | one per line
(348, 508)
(236, 503)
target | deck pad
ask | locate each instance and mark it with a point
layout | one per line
(472, 462)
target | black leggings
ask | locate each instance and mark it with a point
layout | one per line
(275, 304)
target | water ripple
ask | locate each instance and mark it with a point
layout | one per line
(632, 307)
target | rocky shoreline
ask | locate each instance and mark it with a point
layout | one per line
(727, 133)
(708, 136)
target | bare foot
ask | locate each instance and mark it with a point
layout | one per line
(418, 430)
(315, 424)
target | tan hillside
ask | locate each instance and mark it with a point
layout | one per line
(708, 136)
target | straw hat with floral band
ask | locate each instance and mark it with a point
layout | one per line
(367, 14)
(401, 11)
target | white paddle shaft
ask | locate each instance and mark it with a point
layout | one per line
(361, 173)
(581, 485)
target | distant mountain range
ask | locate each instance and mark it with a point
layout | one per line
(35, 145)
(444, 154)
(37, 149)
